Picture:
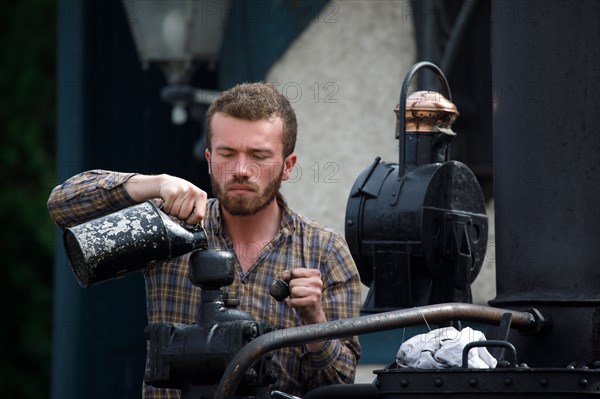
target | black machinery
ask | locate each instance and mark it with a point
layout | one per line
(418, 233)
(421, 221)
(192, 358)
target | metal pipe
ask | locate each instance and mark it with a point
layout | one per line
(456, 39)
(529, 322)
(545, 134)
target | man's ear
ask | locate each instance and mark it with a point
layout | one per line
(207, 155)
(288, 164)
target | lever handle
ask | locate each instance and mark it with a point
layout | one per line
(280, 290)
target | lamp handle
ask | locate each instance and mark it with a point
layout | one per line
(401, 128)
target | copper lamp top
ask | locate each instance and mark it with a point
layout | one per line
(428, 111)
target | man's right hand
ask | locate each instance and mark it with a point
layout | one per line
(180, 198)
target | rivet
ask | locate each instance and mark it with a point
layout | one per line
(438, 382)
(544, 382)
(349, 222)
(251, 330)
(583, 382)
(472, 382)
(508, 382)
(251, 376)
(404, 383)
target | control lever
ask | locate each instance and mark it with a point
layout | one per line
(282, 395)
(280, 290)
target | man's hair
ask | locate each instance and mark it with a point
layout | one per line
(253, 102)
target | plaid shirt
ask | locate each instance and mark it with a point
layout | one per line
(171, 298)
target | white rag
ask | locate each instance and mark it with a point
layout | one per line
(443, 348)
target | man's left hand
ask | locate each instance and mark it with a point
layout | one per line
(306, 287)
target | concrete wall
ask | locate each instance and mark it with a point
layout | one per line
(343, 76)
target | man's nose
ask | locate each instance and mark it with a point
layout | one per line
(246, 167)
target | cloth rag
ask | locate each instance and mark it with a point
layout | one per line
(443, 348)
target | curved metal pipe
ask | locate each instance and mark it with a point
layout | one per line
(524, 321)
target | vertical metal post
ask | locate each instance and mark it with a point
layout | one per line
(545, 65)
(67, 346)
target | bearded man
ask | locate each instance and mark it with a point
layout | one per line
(251, 135)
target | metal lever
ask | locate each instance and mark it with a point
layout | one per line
(279, 290)
(487, 344)
(502, 335)
(282, 395)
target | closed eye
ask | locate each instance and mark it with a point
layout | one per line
(225, 153)
(261, 155)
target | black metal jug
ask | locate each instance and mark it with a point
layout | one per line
(125, 241)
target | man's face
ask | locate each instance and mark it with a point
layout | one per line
(246, 163)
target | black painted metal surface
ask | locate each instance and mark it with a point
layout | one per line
(488, 383)
(546, 64)
(193, 357)
(417, 230)
(529, 322)
(126, 241)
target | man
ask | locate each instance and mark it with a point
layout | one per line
(251, 134)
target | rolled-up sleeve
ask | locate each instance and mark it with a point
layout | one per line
(87, 196)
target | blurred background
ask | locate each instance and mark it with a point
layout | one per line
(78, 93)
(28, 162)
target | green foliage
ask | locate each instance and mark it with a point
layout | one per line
(27, 134)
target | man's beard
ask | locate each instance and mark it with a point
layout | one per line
(246, 205)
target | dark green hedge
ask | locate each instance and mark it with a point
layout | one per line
(27, 174)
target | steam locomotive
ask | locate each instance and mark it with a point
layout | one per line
(421, 223)
(417, 230)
